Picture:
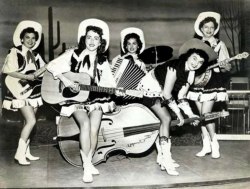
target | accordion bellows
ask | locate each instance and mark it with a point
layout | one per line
(127, 75)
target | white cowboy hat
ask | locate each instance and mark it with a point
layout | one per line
(204, 15)
(198, 44)
(97, 23)
(137, 31)
(23, 25)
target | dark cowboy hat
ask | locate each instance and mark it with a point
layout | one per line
(198, 44)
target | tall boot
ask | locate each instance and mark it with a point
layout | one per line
(28, 155)
(94, 170)
(166, 161)
(20, 153)
(87, 175)
(160, 156)
(206, 149)
(215, 147)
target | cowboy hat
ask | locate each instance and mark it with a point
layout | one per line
(97, 23)
(201, 17)
(198, 44)
(23, 25)
(137, 31)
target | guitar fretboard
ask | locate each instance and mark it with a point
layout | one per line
(98, 89)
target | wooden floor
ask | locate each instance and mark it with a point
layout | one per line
(231, 171)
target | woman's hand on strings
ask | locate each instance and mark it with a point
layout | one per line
(225, 65)
(120, 92)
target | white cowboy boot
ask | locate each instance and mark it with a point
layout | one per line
(215, 147)
(206, 149)
(166, 160)
(28, 155)
(20, 153)
(87, 175)
(160, 156)
(94, 170)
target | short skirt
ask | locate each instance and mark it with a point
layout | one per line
(105, 107)
(16, 104)
(215, 90)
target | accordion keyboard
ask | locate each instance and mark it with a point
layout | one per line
(127, 75)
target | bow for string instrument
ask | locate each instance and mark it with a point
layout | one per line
(132, 128)
(203, 79)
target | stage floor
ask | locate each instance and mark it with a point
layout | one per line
(232, 170)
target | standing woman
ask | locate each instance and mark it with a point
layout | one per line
(19, 62)
(170, 81)
(132, 44)
(88, 58)
(207, 28)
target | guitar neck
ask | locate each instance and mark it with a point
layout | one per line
(218, 63)
(98, 89)
(40, 71)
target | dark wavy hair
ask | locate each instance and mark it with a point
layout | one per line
(204, 21)
(101, 48)
(29, 30)
(200, 52)
(134, 36)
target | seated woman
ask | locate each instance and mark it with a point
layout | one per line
(88, 58)
(169, 80)
(23, 63)
(127, 68)
(132, 44)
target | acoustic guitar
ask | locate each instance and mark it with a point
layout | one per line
(22, 89)
(203, 79)
(54, 92)
(132, 128)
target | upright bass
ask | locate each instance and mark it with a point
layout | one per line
(132, 128)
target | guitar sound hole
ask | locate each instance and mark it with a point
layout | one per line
(69, 93)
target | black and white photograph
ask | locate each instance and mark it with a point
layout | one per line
(125, 94)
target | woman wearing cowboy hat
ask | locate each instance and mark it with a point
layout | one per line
(20, 60)
(169, 80)
(132, 44)
(207, 28)
(93, 41)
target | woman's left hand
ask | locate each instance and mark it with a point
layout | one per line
(120, 92)
(225, 65)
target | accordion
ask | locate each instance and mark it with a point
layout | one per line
(127, 75)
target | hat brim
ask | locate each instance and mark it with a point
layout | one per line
(23, 25)
(156, 54)
(198, 44)
(201, 17)
(137, 31)
(97, 23)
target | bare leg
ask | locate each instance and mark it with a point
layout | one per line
(206, 108)
(164, 116)
(28, 113)
(83, 122)
(164, 157)
(95, 120)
